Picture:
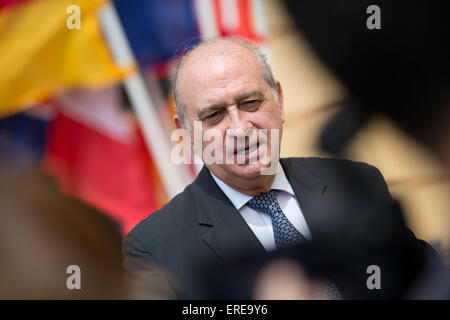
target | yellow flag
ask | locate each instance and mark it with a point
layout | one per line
(48, 46)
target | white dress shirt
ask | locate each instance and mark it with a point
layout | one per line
(261, 223)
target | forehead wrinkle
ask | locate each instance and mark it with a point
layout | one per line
(213, 54)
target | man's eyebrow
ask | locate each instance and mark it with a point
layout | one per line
(257, 94)
(210, 109)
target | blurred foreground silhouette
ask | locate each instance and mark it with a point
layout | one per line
(43, 232)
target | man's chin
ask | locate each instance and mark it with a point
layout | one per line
(249, 170)
(238, 171)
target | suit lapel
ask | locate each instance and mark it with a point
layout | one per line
(313, 194)
(229, 234)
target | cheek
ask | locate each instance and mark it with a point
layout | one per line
(214, 136)
(267, 119)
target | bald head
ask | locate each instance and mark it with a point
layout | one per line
(194, 66)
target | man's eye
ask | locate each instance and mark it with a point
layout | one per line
(251, 105)
(213, 117)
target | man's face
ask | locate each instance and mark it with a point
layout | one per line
(225, 90)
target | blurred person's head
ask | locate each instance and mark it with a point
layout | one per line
(286, 279)
(42, 233)
(400, 70)
(227, 86)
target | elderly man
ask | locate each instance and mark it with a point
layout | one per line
(233, 207)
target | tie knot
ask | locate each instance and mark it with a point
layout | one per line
(265, 202)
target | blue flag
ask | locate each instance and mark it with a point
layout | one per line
(22, 141)
(157, 29)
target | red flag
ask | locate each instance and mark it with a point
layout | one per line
(10, 3)
(108, 168)
(231, 18)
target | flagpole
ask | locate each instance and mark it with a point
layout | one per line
(260, 26)
(157, 141)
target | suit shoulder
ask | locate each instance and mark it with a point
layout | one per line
(320, 165)
(177, 212)
(344, 174)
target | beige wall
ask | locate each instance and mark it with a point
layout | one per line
(413, 175)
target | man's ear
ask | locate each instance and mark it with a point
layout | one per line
(178, 123)
(280, 100)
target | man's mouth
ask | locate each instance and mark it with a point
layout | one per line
(248, 149)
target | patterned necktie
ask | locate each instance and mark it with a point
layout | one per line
(284, 232)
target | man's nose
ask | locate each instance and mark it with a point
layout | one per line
(237, 125)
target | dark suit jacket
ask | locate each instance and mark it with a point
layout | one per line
(165, 253)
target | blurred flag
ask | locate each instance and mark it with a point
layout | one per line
(41, 55)
(22, 141)
(225, 18)
(158, 30)
(98, 155)
(155, 28)
(10, 3)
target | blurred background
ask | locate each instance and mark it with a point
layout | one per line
(85, 114)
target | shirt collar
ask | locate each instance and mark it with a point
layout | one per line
(239, 199)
